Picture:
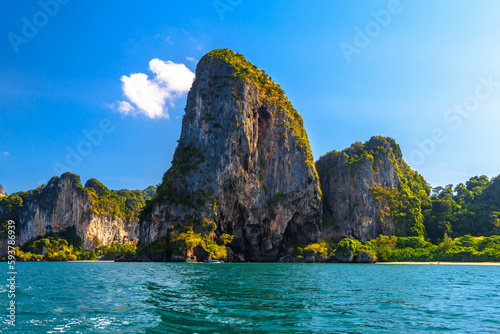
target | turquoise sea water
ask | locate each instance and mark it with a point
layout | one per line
(253, 298)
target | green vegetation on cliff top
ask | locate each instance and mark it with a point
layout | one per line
(187, 157)
(271, 91)
(472, 208)
(358, 153)
(403, 204)
(126, 204)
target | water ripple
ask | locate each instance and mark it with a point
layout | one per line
(254, 298)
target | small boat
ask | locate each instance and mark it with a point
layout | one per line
(215, 261)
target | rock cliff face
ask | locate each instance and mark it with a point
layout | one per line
(243, 161)
(63, 203)
(2, 192)
(363, 186)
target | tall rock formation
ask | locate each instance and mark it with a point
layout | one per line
(94, 210)
(243, 162)
(2, 192)
(369, 190)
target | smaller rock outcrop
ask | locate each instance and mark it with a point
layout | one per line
(345, 256)
(99, 215)
(366, 257)
(369, 190)
(2, 192)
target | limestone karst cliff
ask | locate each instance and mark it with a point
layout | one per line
(242, 186)
(94, 210)
(243, 162)
(369, 190)
(2, 191)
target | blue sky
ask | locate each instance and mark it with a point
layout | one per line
(425, 73)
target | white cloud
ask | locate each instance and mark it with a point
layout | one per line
(6, 153)
(146, 94)
(150, 95)
(192, 59)
(125, 108)
(176, 77)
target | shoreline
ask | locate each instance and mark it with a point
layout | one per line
(445, 263)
